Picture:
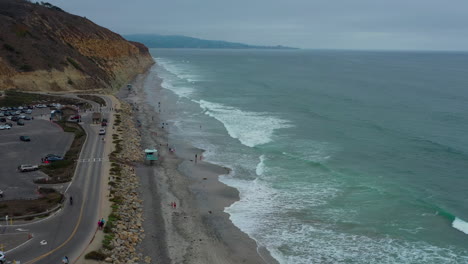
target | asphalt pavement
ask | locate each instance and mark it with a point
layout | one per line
(46, 138)
(68, 232)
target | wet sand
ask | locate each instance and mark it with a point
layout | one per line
(197, 230)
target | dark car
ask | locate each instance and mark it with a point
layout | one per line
(20, 123)
(25, 138)
(53, 157)
(2, 119)
(27, 118)
(15, 118)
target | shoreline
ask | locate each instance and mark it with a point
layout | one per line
(197, 230)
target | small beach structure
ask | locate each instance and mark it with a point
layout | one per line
(151, 155)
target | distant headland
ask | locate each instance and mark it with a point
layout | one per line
(176, 41)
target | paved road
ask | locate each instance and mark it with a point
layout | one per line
(71, 230)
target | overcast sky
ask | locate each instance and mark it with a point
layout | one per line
(332, 24)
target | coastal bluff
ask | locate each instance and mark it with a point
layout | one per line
(43, 48)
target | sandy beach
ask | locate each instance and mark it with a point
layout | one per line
(197, 230)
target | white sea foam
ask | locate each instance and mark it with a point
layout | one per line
(181, 91)
(183, 70)
(260, 166)
(460, 225)
(274, 218)
(250, 128)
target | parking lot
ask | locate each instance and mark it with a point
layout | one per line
(46, 138)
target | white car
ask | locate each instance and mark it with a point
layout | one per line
(22, 117)
(102, 131)
(27, 167)
(3, 127)
(29, 111)
(2, 257)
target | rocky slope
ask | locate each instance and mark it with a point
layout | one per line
(43, 48)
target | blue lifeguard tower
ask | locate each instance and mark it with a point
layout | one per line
(151, 155)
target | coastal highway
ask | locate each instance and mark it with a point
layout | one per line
(69, 231)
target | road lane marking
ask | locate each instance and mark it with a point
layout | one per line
(93, 147)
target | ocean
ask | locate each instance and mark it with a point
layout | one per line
(339, 156)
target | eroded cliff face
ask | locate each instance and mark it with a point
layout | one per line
(43, 48)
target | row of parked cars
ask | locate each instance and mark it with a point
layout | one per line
(11, 115)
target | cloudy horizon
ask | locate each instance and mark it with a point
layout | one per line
(358, 24)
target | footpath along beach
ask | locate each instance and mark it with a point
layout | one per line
(183, 201)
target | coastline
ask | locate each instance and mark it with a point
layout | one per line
(197, 230)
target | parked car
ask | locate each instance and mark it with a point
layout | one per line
(25, 138)
(14, 118)
(75, 117)
(9, 124)
(20, 123)
(2, 119)
(27, 167)
(27, 118)
(29, 111)
(3, 127)
(22, 117)
(53, 157)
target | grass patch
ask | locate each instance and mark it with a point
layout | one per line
(17, 98)
(106, 242)
(9, 47)
(26, 68)
(74, 64)
(96, 255)
(50, 198)
(93, 98)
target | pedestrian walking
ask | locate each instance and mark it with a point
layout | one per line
(196, 158)
(65, 260)
(103, 222)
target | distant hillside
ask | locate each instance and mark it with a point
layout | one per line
(162, 41)
(45, 48)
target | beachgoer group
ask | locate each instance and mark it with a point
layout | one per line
(101, 224)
